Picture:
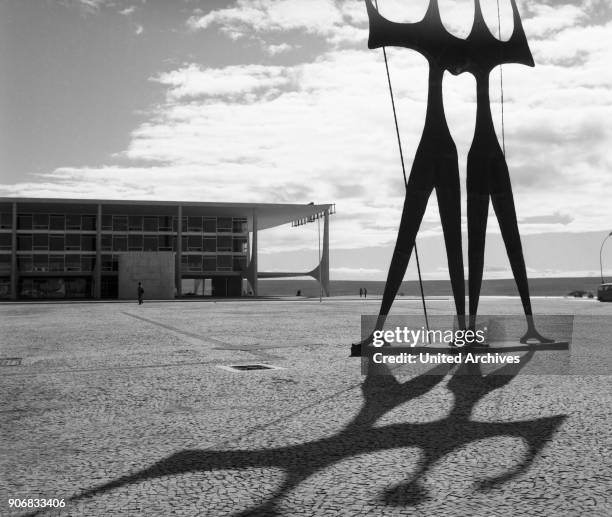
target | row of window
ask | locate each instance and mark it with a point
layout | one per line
(86, 263)
(43, 263)
(124, 223)
(76, 242)
(201, 264)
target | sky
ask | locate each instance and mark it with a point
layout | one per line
(281, 101)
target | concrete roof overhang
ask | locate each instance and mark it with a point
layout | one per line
(269, 215)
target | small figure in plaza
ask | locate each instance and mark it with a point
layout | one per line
(360, 292)
(140, 293)
(365, 292)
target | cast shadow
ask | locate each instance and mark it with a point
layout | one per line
(381, 394)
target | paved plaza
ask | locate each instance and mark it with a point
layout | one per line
(120, 409)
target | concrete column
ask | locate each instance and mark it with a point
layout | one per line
(14, 254)
(324, 265)
(179, 252)
(98, 269)
(253, 264)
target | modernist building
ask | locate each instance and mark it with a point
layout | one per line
(80, 248)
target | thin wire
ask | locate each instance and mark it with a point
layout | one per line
(399, 144)
(501, 85)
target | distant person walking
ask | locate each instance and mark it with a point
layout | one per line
(365, 292)
(360, 292)
(140, 293)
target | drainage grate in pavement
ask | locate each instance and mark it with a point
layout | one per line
(10, 361)
(249, 367)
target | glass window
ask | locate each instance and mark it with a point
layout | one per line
(41, 221)
(89, 222)
(24, 262)
(24, 242)
(210, 244)
(107, 263)
(165, 223)
(210, 225)
(41, 263)
(119, 243)
(210, 263)
(224, 243)
(107, 243)
(87, 262)
(120, 223)
(194, 243)
(150, 243)
(150, 224)
(56, 242)
(5, 241)
(195, 224)
(73, 222)
(73, 262)
(240, 245)
(5, 263)
(88, 242)
(184, 224)
(135, 223)
(164, 242)
(73, 241)
(135, 242)
(194, 262)
(40, 241)
(224, 224)
(224, 262)
(56, 222)
(240, 225)
(6, 221)
(184, 263)
(56, 263)
(240, 263)
(24, 222)
(107, 223)
(174, 225)
(184, 243)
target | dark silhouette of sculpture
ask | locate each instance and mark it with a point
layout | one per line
(487, 170)
(435, 163)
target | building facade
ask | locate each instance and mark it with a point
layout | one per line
(73, 248)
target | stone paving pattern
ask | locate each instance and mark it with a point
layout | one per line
(122, 409)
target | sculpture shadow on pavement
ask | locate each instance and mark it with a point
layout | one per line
(381, 393)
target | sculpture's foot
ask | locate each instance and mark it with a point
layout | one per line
(533, 334)
(355, 350)
(356, 347)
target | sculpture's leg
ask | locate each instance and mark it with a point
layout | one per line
(503, 204)
(477, 214)
(418, 190)
(449, 204)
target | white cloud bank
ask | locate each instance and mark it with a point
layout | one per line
(323, 131)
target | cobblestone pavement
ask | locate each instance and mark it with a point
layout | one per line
(122, 409)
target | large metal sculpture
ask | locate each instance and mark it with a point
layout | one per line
(435, 162)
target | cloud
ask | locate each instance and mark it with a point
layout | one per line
(261, 17)
(128, 10)
(139, 30)
(322, 130)
(273, 50)
(243, 82)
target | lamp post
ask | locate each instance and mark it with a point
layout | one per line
(600, 251)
